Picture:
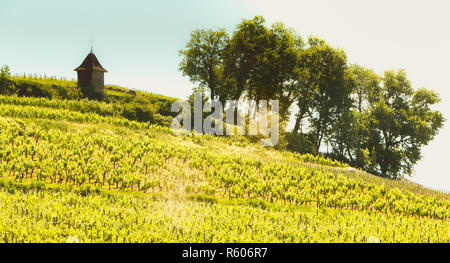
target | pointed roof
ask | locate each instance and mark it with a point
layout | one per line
(90, 63)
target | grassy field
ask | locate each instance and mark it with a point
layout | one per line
(103, 178)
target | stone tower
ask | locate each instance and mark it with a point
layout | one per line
(91, 74)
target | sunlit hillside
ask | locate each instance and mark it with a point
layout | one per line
(98, 176)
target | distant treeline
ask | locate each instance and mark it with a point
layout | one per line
(345, 111)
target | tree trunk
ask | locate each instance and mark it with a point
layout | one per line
(213, 95)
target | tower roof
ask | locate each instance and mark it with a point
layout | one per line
(90, 63)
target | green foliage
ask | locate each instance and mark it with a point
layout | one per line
(44, 87)
(374, 123)
(5, 81)
(135, 111)
(202, 59)
(388, 124)
(400, 123)
(99, 185)
(79, 111)
(301, 143)
(91, 93)
(60, 217)
(137, 162)
(259, 62)
(203, 198)
(134, 105)
(320, 89)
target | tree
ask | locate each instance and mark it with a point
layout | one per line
(6, 84)
(365, 86)
(349, 139)
(349, 133)
(259, 62)
(240, 61)
(320, 89)
(387, 125)
(400, 123)
(378, 124)
(202, 59)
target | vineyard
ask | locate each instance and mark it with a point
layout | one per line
(77, 168)
(39, 216)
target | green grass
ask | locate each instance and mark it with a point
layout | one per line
(116, 93)
(47, 81)
(110, 89)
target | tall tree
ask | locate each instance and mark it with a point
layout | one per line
(349, 132)
(202, 59)
(321, 92)
(240, 62)
(260, 61)
(400, 123)
(365, 86)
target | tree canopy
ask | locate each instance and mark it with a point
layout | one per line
(345, 111)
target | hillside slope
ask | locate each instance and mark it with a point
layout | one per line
(105, 178)
(49, 86)
(117, 101)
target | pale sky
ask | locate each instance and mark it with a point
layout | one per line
(138, 42)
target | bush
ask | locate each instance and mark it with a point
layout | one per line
(138, 112)
(301, 143)
(5, 81)
(92, 94)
